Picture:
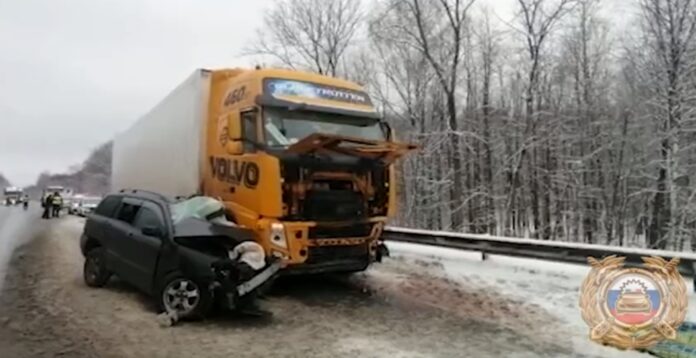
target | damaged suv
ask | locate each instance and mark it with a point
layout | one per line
(184, 253)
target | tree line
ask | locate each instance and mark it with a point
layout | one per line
(553, 125)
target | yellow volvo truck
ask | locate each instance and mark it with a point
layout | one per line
(303, 160)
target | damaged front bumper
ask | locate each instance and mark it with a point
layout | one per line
(260, 278)
(232, 294)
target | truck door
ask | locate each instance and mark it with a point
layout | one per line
(147, 236)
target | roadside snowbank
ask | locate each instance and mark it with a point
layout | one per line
(553, 286)
(16, 228)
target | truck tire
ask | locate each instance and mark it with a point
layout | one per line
(94, 270)
(185, 297)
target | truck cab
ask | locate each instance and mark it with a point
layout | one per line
(13, 196)
(306, 162)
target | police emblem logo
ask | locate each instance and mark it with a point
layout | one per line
(633, 308)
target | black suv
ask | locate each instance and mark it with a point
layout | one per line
(186, 265)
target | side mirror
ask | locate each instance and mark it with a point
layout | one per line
(152, 231)
(234, 128)
(235, 123)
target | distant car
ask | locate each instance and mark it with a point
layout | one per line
(13, 196)
(185, 262)
(12, 201)
(83, 205)
(74, 204)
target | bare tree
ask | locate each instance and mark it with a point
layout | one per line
(489, 51)
(411, 101)
(309, 34)
(442, 44)
(585, 58)
(669, 28)
(538, 131)
(537, 19)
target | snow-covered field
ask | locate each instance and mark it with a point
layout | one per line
(551, 285)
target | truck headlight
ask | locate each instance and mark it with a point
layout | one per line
(278, 235)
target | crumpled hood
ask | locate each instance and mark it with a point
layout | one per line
(386, 152)
(192, 232)
(195, 227)
(201, 219)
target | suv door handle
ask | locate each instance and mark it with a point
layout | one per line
(130, 234)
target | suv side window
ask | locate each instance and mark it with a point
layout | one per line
(127, 212)
(107, 207)
(147, 218)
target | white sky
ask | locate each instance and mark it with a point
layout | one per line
(75, 72)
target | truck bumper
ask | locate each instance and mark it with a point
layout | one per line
(337, 266)
(313, 247)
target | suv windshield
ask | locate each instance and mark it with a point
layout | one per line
(200, 207)
(283, 128)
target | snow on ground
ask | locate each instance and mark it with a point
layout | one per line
(15, 230)
(396, 310)
(551, 285)
(423, 302)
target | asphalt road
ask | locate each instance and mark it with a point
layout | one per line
(397, 309)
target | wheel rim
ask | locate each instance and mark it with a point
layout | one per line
(181, 296)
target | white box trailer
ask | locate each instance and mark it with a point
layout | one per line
(161, 152)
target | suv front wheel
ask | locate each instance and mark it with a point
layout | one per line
(184, 297)
(94, 271)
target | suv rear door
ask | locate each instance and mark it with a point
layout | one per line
(98, 224)
(122, 243)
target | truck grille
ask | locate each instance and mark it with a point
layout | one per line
(326, 254)
(334, 205)
(329, 232)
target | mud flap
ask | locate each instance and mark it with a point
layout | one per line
(382, 251)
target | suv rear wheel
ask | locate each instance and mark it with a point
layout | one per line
(184, 297)
(94, 271)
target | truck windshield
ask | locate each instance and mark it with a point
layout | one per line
(284, 128)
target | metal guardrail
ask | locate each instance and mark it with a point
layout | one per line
(536, 249)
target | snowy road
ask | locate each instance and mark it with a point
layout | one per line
(422, 302)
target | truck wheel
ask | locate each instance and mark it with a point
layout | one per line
(184, 297)
(94, 271)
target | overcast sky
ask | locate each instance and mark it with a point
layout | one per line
(75, 72)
